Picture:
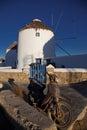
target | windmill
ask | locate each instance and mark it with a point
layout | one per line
(60, 40)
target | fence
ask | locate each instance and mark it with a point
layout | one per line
(38, 71)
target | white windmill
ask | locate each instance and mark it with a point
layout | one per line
(35, 40)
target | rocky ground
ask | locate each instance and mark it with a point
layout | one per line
(76, 93)
(21, 115)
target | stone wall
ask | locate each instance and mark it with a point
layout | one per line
(68, 76)
(65, 76)
(17, 76)
(71, 77)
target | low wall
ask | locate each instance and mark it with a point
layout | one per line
(65, 76)
(68, 76)
(71, 77)
(18, 76)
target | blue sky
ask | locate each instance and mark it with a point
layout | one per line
(67, 18)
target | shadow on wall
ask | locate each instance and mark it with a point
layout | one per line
(49, 49)
(11, 58)
(80, 87)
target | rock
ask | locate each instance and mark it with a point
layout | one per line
(1, 85)
(81, 122)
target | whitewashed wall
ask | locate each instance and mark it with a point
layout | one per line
(75, 61)
(31, 45)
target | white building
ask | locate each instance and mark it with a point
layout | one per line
(73, 61)
(35, 40)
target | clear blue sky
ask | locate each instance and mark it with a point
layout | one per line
(68, 18)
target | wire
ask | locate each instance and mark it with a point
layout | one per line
(63, 49)
(61, 14)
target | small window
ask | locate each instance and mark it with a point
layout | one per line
(37, 34)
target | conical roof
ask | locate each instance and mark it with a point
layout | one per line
(37, 24)
(13, 45)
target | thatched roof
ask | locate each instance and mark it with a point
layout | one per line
(37, 24)
(13, 45)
